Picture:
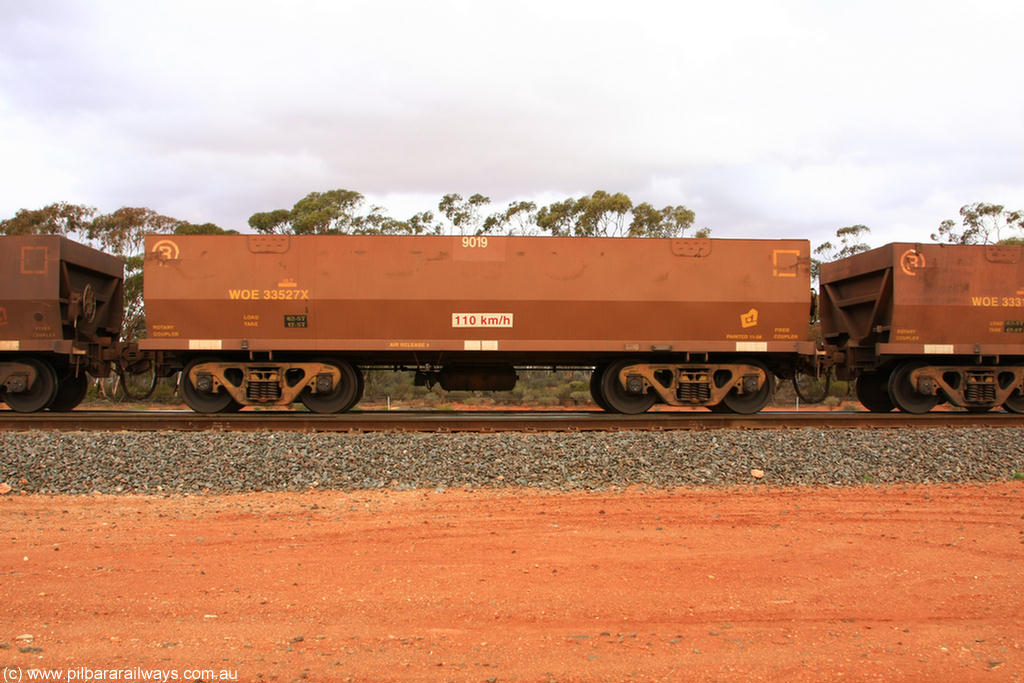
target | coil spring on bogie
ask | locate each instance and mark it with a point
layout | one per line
(981, 388)
(263, 391)
(693, 391)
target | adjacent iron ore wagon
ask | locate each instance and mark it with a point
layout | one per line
(61, 307)
(920, 324)
(271, 319)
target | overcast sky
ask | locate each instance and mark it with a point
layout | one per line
(769, 119)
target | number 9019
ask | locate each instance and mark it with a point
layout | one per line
(474, 242)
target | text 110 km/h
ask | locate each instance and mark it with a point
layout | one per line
(482, 320)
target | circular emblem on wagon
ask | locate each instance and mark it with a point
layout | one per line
(166, 250)
(912, 261)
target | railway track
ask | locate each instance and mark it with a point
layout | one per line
(490, 421)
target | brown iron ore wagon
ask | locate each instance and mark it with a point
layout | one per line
(919, 324)
(61, 308)
(271, 319)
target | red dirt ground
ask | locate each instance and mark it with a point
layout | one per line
(918, 583)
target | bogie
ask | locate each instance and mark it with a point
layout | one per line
(633, 386)
(213, 385)
(916, 387)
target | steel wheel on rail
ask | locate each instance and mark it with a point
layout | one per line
(873, 392)
(595, 389)
(811, 388)
(616, 397)
(905, 395)
(201, 401)
(1014, 403)
(753, 401)
(71, 391)
(40, 394)
(345, 394)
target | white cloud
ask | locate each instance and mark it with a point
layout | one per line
(769, 119)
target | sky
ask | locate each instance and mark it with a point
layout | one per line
(768, 119)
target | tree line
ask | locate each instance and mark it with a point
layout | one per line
(600, 214)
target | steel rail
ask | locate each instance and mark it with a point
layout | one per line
(486, 421)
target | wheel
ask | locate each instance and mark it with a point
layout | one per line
(752, 402)
(873, 392)
(811, 389)
(359, 389)
(41, 393)
(617, 399)
(232, 407)
(906, 396)
(595, 389)
(345, 394)
(1014, 403)
(71, 391)
(719, 407)
(203, 401)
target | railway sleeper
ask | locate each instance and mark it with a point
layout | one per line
(701, 384)
(969, 386)
(252, 383)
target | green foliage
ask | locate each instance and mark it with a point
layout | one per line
(123, 232)
(603, 214)
(337, 212)
(463, 214)
(186, 228)
(277, 221)
(667, 222)
(420, 223)
(56, 219)
(316, 213)
(520, 218)
(982, 223)
(599, 215)
(848, 244)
